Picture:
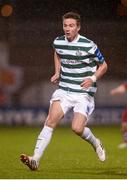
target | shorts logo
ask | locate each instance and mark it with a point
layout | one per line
(88, 109)
(60, 51)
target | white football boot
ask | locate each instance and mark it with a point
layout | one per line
(100, 150)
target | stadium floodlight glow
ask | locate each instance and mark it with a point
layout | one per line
(6, 10)
(124, 2)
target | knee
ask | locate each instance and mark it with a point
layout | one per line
(77, 130)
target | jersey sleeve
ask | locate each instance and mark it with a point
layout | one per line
(96, 51)
(54, 44)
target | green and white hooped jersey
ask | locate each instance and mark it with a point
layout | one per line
(78, 61)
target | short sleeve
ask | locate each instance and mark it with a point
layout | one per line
(96, 51)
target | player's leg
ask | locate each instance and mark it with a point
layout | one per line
(78, 126)
(54, 116)
(124, 130)
(83, 107)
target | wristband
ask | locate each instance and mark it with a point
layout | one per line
(94, 78)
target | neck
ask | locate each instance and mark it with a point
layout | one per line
(72, 39)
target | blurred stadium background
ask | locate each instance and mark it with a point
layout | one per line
(27, 30)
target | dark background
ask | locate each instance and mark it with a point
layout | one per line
(33, 25)
(53, 10)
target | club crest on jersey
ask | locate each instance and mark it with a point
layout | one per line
(78, 52)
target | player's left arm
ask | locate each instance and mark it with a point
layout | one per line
(102, 65)
(102, 68)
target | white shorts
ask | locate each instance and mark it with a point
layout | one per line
(81, 103)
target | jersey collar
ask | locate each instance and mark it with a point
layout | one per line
(74, 41)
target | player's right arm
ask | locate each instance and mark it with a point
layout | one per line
(57, 64)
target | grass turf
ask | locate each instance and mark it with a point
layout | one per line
(67, 156)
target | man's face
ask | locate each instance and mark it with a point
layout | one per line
(70, 28)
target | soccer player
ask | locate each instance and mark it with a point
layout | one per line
(78, 65)
(121, 89)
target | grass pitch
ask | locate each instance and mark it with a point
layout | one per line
(67, 156)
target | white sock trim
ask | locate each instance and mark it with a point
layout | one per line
(48, 128)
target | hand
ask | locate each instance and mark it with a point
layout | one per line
(54, 79)
(86, 83)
